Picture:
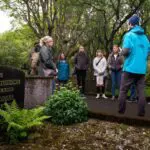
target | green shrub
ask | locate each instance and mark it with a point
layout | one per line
(19, 121)
(66, 106)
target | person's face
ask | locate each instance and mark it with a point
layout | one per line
(81, 49)
(115, 49)
(62, 56)
(50, 43)
(129, 26)
(99, 54)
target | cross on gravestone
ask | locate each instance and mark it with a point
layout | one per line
(12, 85)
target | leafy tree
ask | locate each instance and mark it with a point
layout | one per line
(94, 24)
(15, 46)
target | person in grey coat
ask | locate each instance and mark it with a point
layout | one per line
(115, 64)
(47, 66)
(81, 62)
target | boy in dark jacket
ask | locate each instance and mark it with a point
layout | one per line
(115, 63)
(81, 65)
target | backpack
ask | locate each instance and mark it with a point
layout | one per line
(35, 59)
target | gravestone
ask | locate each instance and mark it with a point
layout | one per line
(12, 85)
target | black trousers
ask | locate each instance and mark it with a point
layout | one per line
(62, 82)
(81, 76)
(127, 80)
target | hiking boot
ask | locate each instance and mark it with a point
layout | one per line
(141, 114)
(121, 112)
(132, 100)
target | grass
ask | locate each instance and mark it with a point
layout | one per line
(147, 91)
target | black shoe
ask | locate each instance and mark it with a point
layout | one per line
(121, 112)
(82, 95)
(141, 115)
(130, 101)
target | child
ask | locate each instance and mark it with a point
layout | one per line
(63, 69)
(100, 65)
(115, 64)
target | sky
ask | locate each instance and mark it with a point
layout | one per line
(5, 20)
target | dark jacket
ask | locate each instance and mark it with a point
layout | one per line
(46, 60)
(115, 64)
(81, 61)
(63, 70)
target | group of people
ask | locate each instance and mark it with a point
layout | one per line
(127, 66)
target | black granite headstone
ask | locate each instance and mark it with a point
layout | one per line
(12, 85)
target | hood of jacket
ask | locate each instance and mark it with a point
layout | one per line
(137, 29)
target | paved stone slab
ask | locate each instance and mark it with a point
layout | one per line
(109, 108)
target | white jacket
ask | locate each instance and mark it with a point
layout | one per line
(101, 67)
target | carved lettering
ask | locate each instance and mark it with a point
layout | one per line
(9, 82)
(6, 90)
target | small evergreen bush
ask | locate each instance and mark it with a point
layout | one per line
(66, 106)
(19, 121)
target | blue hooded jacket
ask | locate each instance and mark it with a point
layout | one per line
(63, 70)
(139, 47)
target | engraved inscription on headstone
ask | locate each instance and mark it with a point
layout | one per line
(12, 82)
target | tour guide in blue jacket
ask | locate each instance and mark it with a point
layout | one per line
(136, 47)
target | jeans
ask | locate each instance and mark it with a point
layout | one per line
(115, 78)
(53, 86)
(126, 81)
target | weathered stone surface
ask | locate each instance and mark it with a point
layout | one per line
(37, 90)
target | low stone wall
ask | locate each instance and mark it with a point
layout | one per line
(37, 90)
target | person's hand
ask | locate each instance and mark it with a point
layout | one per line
(113, 69)
(56, 70)
(101, 73)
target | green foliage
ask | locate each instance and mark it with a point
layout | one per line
(66, 106)
(15, 47)
(95, 24)
(19, 121)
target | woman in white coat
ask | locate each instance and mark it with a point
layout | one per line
(100, 66)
